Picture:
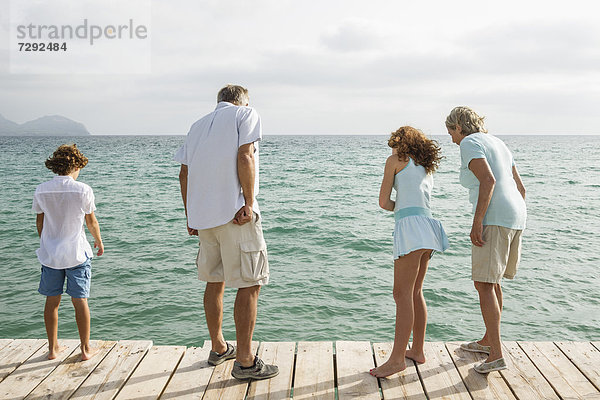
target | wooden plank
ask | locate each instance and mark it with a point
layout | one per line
(191, 378)
(439, 376)
(112, 372)
(564, 377)
(224, 386)
(152, 374)
(314, 377)
(68, 376)
(5, 342)
(354, 360)
(486, 387)
(585, 357)
(16, 353)
(280, 387)
(403, 385)
(524, 379)
(33, 371)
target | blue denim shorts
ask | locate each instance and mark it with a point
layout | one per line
(79, 279)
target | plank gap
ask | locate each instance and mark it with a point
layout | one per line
(421, 381)
(509, 386)
(171, 375)
(132, 372)
(539, 370)
(581, 369)
(462, 378)
(335, 372)
(294, 370)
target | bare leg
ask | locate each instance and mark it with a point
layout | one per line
(82, 317)
(498, 290)
(213, 310)
(490, 310)
(420, 325)
(406, 269)
(244, 314)
(51, 322)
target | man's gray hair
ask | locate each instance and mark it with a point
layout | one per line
(234, 94)
(468, 120)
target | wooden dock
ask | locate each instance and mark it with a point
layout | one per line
(308, 370)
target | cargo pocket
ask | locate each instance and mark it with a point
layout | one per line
(254, 263)
(200, 252)
(201, 263)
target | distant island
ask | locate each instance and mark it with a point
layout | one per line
(50, 125)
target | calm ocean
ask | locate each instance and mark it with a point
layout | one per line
(329, 243)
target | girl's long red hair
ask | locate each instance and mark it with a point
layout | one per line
(413, 143)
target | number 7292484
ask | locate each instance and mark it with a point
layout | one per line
(50, 46)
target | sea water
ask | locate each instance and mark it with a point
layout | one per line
(329, 243)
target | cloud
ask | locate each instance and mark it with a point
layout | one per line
(354, 35)
(338, 67)
(534, 47)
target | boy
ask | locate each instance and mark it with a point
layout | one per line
(62, 204)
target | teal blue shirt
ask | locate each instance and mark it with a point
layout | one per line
(507, 207)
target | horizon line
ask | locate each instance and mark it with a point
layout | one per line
(298, 134)
(341, 134)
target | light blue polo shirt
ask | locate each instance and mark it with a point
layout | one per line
(507, 206)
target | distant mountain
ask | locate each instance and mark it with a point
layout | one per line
(50, 125)
(7, 127)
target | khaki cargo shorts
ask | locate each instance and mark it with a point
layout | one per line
(234, 254)
(498, 257)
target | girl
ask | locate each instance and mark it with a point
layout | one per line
(416, 235)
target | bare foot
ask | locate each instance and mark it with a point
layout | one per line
(419, 358)
(53, 353)
(88, 352)
(388, 368)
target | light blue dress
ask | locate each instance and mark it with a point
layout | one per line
(415, 227)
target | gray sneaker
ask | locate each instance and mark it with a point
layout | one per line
(475, 347)
(258, 371)
(215, 358)
(496, 365)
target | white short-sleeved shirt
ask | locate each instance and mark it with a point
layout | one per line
(507, 206)
(64, 202)
(214, 193)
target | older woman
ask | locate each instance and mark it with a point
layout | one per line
(498, 197)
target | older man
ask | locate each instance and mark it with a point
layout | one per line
(497, 193)
(219, 182)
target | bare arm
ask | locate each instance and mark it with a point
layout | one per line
(39, 223)
(386, 186)
(519, 182)
(246, 173)
(487, 182)
(94, 228)
(183, 178)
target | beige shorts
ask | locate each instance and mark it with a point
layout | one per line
(499, 257)
(234, 254)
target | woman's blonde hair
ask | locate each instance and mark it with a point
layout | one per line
(66, 159)
(413, 143)
(467, 119)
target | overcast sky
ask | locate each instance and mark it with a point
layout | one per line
(341, 67)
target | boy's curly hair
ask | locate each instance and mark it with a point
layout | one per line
(413, 143)
(66, 159)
